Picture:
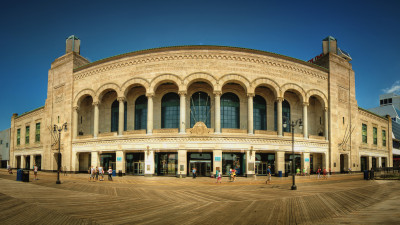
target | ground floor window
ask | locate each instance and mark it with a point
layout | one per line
(289, 163)
(166, 164)
(235, 161)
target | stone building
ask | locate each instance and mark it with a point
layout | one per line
(4, 148)
(165, 111)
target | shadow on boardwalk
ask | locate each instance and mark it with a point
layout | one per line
(165, 200)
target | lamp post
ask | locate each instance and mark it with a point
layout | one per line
(59, 129)
(292, 124)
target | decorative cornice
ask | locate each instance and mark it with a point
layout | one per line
(301, 67)
(29, 114)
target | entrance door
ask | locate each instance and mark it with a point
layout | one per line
(261, 168)
(341, 163)
(138, 168)
(203, 168)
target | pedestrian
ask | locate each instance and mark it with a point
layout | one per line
(194, 172)
(219, 177)
(101, 172)
(269, 178)
(324, 173)
(97, 173)
(35, 170)
(109, 173)
(233, 174)
(319, 172)
(9, 169)
(298, 171)
(92, 173)
(230, 174)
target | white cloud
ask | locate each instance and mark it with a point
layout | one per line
(395, 88)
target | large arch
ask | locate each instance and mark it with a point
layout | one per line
(81, 95)
(199, 76)
(104, 88)
(271, 84)
(319, 95)
(126, 86)
(243, 81)
(163, 78)
(296, 88)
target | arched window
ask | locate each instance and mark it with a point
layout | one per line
(259, 113)
(200, 109)
(141, 113)
(170, 111)
(230, 111)
(115, 115)
(285, 115)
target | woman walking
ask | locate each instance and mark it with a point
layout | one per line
(109, 173)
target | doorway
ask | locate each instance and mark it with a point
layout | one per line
(135, 163)
(201, 161)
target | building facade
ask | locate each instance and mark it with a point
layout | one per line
(4, 148)
(165, 111)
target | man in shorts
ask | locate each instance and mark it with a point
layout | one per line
(35, 170)
(269, 175)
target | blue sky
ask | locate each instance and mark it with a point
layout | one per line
(33, 35)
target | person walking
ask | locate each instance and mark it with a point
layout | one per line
(319, 172)
(92, 173)
(219, 177)
(101, 172)
(269, 175)
(109, 174)
(324, 174)
(97, 173)
(35, 170)
(194, 172)
(233, 175)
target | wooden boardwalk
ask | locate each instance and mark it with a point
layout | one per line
(161, 200)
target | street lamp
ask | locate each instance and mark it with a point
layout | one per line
(292, 125)
(59, 129)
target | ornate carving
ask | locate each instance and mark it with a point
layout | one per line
(121, 99)
(199, 129)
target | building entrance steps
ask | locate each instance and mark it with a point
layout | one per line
(168, 200)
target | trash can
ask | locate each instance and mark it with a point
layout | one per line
(25, 175)
(120, 173)
(279, 173)
(19, 175)
(114, 173)
(365, 174)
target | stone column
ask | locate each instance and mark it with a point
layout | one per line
(217, 95)
(326, 123)
(121, 111)
(95, 159)
(325, 162)
(75, 122)
(305, 161)
(182, 115)
(379, 162)
(217, 160)
(96, 119)
(148, 162)
(250, 113)
(23, 162)
(280, 162)
(75, 162)
(32, 161)
(182, 162)
(120, 161)
(251, 161)
(279, 101)
(305, 120)
(149, 114)
(369, 162)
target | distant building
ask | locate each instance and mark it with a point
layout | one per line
(390, 105)
(4, 147)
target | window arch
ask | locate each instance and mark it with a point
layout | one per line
(285, 115)
(141, 113)
(170, 110)
(230, 111)
(200, 109)
(115, 115)
(259, 113)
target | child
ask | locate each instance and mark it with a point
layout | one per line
(109, 173)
